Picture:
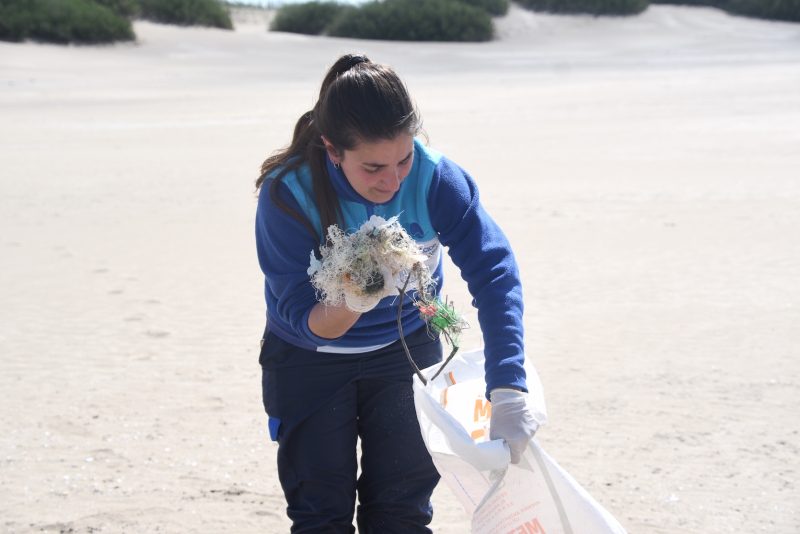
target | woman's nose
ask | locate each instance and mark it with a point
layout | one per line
(394, 178)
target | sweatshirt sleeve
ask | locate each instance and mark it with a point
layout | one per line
(481, 251)
(284, 245)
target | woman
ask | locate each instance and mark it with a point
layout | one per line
(333, 375)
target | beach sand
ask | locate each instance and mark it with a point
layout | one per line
(645, 170)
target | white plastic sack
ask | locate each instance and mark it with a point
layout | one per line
(535, 496)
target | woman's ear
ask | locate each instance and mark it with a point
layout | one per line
(333, 154)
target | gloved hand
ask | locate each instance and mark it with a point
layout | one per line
(366, 302)
(511, 420)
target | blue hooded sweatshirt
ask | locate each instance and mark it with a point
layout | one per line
(438, 205)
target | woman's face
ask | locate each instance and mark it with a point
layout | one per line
(376, 169)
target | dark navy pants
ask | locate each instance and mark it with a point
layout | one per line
(319, 405)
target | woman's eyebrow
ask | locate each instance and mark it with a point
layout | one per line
(381, 165)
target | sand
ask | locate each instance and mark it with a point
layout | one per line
(645, 170)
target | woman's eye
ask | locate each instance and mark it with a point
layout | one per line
(372, 171)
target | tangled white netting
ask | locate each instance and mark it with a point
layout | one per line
(367, 265)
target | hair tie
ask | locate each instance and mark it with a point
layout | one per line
(351, 60)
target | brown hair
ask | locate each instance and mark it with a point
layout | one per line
(359, 101)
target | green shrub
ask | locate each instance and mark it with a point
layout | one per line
(14, 21)
(766, 9)
(124, 8)
(709, 3)
(415, 20)
(590, 7)
(495, 8)
(788, 10)
(310, 18)
(187, 12)
(62, 21)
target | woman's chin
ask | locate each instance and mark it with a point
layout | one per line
(379, 197)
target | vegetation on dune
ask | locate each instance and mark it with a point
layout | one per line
(712, 3)
(310, 18)
(62, 21)
(495, 8)
(186, 12)
(396, 20)
(788, 10)
(589, 7)
(124, 8)
(100, 21)
(104, 21)
(412, 20)
(468, 20)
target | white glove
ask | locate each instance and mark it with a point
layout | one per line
(511, 420)
(365, 303)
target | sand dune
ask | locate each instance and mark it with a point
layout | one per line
(645, 169)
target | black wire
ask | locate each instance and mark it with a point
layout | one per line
(400, 330)
(403, 339)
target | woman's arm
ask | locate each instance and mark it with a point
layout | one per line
(481, 251)
(331, 322)
(478, 247)
(284, 245)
